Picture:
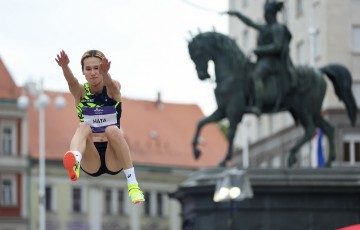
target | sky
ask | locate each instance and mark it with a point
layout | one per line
(145, 40)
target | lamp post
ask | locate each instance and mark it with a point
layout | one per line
(41, 102)
(232, 185)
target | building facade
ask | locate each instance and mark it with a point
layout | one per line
(323, 32)
(14, 167)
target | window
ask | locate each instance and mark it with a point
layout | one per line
(316, 2)
(356, 90)
(147, 204)
(155, 204)
(50, 199)
(351, 149)
(305, 153)
(245, 3)
(300, 52)
(8, 190)
(246, 40)
(356, 38)
(120, 199)
(114, 202)
(159, 206)
(77, 200)
(7, 140)
(276, 162)
(264, 164)
(285, 13)
(107, 201)
(8, 137)
(317, 44)
(299, 7)
(351, 152)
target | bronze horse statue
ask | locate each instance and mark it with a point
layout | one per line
(234, 93)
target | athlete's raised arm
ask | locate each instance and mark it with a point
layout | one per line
(63, 61)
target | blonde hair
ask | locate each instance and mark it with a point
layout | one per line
(91, 53)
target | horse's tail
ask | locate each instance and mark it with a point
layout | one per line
(342, 81)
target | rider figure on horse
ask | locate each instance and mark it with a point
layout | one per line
(272, 53)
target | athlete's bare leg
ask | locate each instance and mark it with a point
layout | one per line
(118, 152)
(83, 143)
(118, 157)
(78, 141)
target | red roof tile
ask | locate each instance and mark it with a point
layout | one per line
(60, 126)
(164, 136)
(8, 88)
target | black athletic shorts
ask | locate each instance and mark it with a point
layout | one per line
(101, 148)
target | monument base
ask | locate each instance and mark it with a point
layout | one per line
(327, 198)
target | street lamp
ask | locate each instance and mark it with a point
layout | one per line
(41, 102)
(232, 185)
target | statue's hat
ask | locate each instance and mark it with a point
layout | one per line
(273, 6)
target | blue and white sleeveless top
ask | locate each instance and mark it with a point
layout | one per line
(98, 111)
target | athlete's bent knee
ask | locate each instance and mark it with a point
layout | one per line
(112, 130)
(83, 127)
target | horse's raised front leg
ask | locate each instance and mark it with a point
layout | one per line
(214, 117)
(309, 127)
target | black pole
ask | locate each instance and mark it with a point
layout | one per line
(232, 210)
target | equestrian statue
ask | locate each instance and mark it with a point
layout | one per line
(272, 84)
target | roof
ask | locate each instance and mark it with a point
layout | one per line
(157, 135)
(8, 88)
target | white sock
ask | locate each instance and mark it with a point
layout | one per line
(130, 176)
(77, 154)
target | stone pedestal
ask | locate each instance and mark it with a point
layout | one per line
(312, 199)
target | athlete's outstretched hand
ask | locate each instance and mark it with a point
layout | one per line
(62, 59)
(104, 66)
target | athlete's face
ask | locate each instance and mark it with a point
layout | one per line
(91, 70)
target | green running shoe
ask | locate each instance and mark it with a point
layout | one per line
(135, 194)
